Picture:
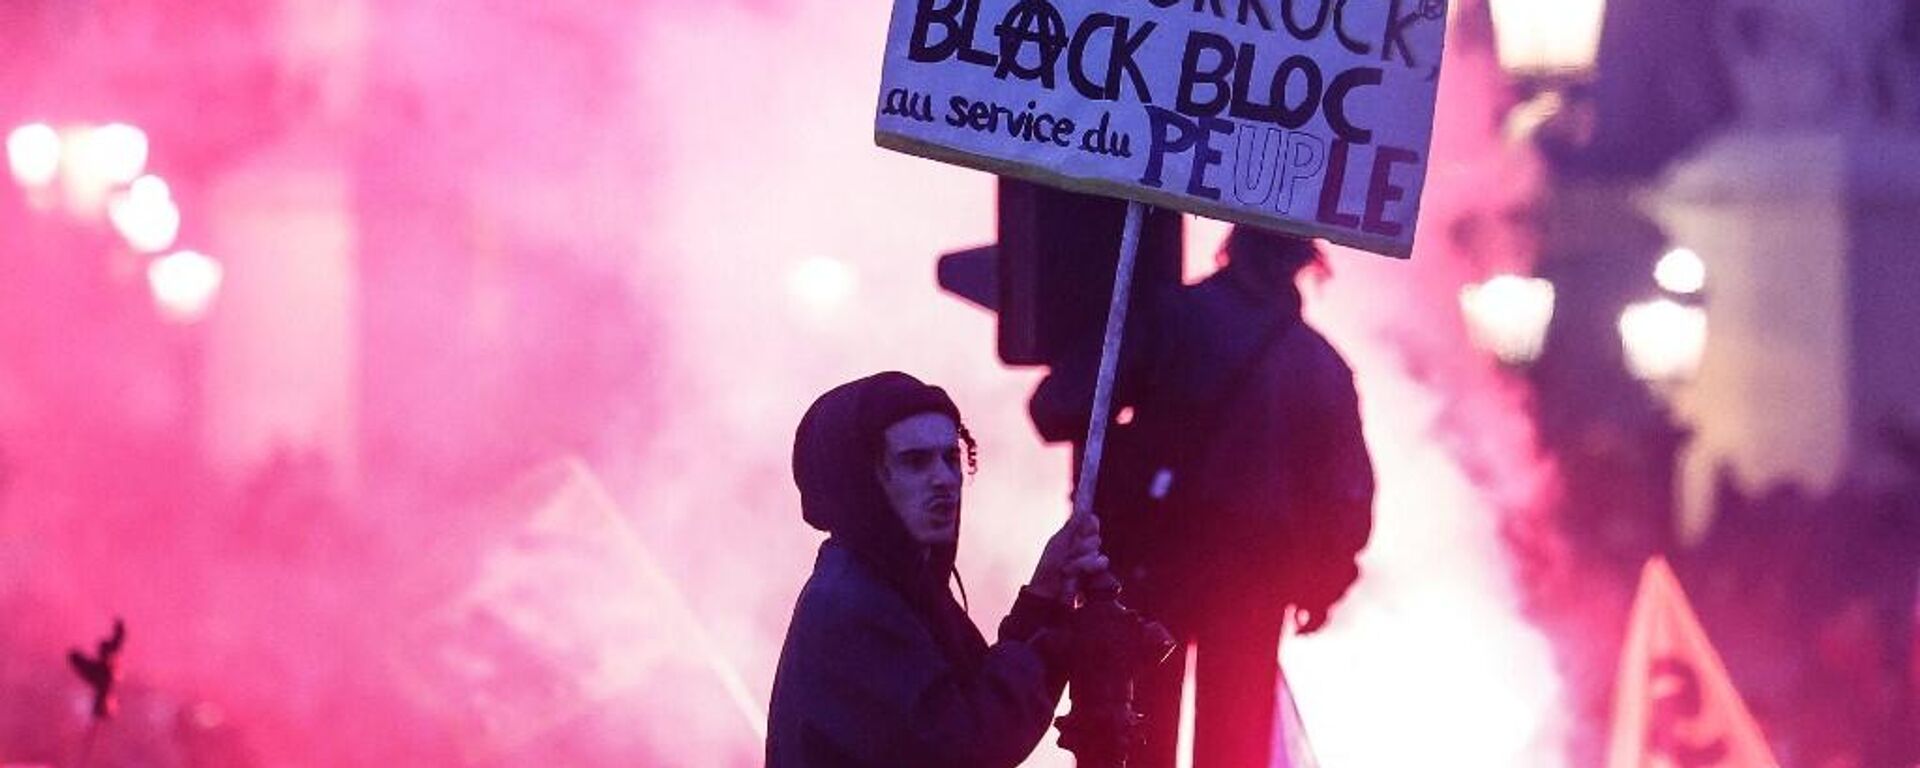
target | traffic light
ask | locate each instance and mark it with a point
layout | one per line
(1050, 275)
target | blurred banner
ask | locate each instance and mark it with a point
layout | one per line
(556, 638)
(1674, 705)
(1308, 117)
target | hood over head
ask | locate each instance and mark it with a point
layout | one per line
(835, 452)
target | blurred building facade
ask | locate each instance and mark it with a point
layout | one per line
(1779, 141)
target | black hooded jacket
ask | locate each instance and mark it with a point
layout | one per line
(1254, 418)
(881, 665)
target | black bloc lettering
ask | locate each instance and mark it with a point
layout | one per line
(1277, 110)
(1337, 93)
(1036, 23)
(1206, 91)
(1192, 75)
(1120, 57)
(956, 20)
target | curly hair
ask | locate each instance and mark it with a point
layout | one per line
(973, 449)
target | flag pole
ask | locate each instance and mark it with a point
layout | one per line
(1109, 359)
(1111, 644)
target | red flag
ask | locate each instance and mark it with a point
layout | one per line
(1675, 706)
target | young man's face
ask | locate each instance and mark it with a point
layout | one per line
(920, 473)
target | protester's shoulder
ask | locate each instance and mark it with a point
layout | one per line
(1209, 291)
(843, 586)
(1200, 313)
(1314, 359)
(1314, 344)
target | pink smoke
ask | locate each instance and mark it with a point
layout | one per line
(592, 261)
(1432, 647)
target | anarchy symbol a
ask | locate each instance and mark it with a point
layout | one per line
(1034, 22)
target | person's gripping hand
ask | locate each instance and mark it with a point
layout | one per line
(1071, 557)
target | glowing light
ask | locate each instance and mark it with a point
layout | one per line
(33, 154)
(1663, 340)
(115, 152)
(1548, 36)
(1681, 271)
(822, 283)
(1508, 316)
(95, 161)
(145, 215)
(184, 284)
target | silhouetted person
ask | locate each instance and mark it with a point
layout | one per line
(882, 667)
(101, 671)
(1240, 486)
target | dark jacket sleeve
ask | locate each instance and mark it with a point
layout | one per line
(873, 688)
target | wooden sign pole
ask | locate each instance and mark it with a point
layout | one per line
(1109, 360)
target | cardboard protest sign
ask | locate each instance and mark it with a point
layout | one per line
(1307, 116)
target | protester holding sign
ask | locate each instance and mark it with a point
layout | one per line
(1308, 117)
(882, 667)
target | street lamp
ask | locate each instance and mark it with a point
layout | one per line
(184, 284)
(145, 215)
(1550, 46)
(1681, 272)
(1548, 38)
(115, 153)
(33, 155)
(97, 159)
(1663, 340)
(1508, 315)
